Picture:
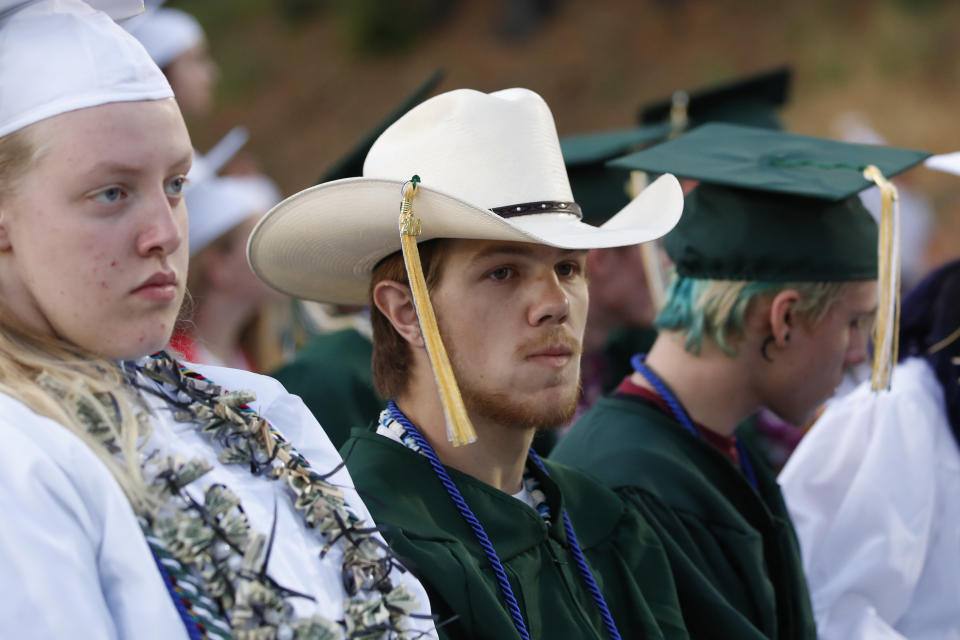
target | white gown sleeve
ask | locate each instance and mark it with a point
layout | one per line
(860, 489)
(72, 558)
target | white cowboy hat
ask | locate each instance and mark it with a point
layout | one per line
(490, 167)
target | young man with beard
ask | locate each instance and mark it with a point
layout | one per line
(508, 545)
(774, 293)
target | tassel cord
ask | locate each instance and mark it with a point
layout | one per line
(459, 429)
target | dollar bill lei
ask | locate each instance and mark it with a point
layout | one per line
(212, 539)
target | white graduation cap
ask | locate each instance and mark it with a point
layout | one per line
(946, 162)
(116, 9)
(218, 204)
(206, 166)
(61, 55)
(166, 33)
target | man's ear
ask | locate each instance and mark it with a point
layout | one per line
(395, 302)
(782, 323)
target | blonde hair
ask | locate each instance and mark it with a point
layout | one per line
(718, 308)
(63, 382)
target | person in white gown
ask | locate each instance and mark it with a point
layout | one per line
(140, 498)
(872, 488)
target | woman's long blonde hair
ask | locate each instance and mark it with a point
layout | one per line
(61, 381)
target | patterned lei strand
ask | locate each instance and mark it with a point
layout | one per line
(213, 539)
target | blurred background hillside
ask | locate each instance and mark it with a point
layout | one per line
(310, 78)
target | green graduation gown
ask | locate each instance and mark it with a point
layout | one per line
(424, 528)
(734, 553)
(332, 375)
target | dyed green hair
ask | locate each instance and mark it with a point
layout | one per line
(699, 307)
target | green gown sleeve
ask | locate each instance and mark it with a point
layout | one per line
(709, 561)
(333, 378)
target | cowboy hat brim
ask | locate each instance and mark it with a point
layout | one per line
(323, 243)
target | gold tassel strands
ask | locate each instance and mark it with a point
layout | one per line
(887, 328)
(459, 429)
(679, 116)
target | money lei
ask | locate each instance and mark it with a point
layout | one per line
(213, 537)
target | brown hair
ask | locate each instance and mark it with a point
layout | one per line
(392, 356)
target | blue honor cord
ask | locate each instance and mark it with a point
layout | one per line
(481, 535)
(680, 414)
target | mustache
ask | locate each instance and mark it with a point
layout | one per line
(555, 338)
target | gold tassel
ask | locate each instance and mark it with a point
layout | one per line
(887, 329)
(679, 116)
(459, 429)
(652, 263)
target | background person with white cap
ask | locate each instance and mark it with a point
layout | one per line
(228, 317)
(141, 499)
(176, 42)
(872, 488)
(508, 545)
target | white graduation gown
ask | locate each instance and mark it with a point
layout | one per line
(874, 493)
(73, 560)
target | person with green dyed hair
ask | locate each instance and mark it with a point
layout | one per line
(775, 290)
(716, 310)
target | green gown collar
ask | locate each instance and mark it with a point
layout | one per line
(428, 513)
(684, 464)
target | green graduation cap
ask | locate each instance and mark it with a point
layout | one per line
(751, 101)
(599, 190)
(779, 207)
(602, 191)
(351, 164)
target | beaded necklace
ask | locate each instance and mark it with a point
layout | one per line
(681, 416)
(424, 448)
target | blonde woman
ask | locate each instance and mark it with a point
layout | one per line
(141, 498)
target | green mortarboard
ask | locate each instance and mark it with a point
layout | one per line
(749, 101)
(772, 205)
(351, 164)
(779, 207)
(601, 192)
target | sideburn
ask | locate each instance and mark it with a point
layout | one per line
(392, 355)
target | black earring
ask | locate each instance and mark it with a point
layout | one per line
(786, 337)
(763, 348)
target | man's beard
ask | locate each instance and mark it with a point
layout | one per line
(499, 407)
